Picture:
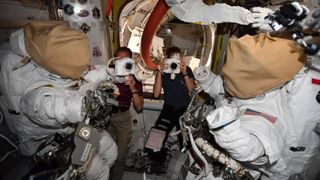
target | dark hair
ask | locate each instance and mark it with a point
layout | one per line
(172, 50)
(123, 48)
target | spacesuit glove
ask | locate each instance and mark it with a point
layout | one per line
(259, 18)
(314, 23)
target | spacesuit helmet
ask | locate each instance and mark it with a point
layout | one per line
(57, 48)
(258, 64)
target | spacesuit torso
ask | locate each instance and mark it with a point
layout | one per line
(262, 117)
(283, 121)
(43, 103)
(38, 104)
(302, 142)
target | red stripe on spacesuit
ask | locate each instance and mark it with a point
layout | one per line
(315, 81)
(272, 119)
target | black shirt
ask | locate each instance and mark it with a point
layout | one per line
(176, 91)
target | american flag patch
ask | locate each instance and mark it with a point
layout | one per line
(256, 113)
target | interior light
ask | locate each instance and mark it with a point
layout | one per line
(77, 8)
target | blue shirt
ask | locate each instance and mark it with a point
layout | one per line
(176, 91)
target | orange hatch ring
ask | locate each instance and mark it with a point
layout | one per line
(149, 31)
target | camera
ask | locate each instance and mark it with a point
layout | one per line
(119, 68)
(124, 67)
(287, 16)
(173, 67)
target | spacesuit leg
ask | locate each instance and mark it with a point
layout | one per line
(102, 161)
(121, 122)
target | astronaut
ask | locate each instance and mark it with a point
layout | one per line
(43, 95)
(271, 109)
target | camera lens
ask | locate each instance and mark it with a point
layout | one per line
(128, 66)
(68, 9)
(174, 65)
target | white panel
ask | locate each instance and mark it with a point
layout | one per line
(96, 33)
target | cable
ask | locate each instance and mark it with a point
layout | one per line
(10, 152)
(145, 128)
(219, 156)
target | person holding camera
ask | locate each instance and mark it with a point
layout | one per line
(130, 91)
(177, 90)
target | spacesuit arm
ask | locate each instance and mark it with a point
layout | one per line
(198, 12)
(210, 83)
(48, 106)
(225, 125)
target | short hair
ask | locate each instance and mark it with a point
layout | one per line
(172, 50)
(123, 48)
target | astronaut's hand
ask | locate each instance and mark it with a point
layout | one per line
(183, 66)
(162, 66)
(203, 74)
(130, 81)
(259, 18)
(314, 23)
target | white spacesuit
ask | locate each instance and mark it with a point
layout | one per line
(303, 100)
(241, 128)
(274, 131)
(39, 104)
